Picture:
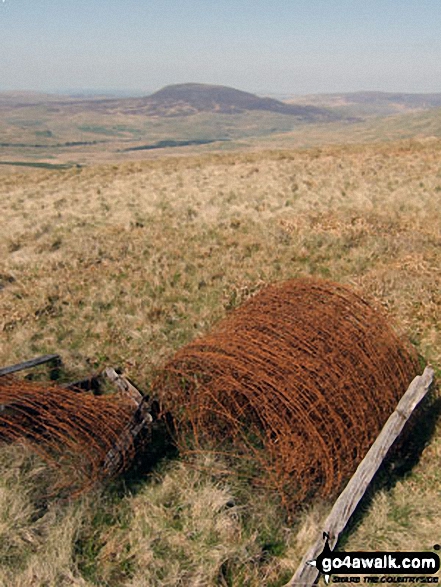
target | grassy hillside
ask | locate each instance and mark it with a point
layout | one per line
(421, 125)
(86, 137)
(123, 264)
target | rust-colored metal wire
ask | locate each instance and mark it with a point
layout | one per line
(73, 432)
(297, 383)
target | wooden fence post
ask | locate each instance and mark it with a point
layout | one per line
(348, 500)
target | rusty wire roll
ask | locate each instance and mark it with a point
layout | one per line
(72, 432)
(297, 383)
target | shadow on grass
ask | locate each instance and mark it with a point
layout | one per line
(153, 449)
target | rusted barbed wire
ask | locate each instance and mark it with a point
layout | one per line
(296, 383)
(73, 432)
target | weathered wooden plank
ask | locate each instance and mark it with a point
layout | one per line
(124, 385)
(28, 364)
(348, 500)
(141, 419)
(128, 389)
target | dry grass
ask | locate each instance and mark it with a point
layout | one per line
(185, 526)
(36, 538)
(124, 264)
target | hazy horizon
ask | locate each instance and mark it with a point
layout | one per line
(295, 47)
(137, 93)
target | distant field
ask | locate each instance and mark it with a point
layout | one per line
(109, 137)
(122, 264)
(35, 164)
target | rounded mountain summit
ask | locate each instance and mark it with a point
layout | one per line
(191, 98)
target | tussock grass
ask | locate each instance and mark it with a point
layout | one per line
(37, 537)
(123, 264)
(187, 528)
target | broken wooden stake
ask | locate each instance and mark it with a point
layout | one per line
(140, 420)
(348, 500)
(124, 386)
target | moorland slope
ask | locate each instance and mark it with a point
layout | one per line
(122, 264)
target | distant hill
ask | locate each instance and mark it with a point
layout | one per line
(187, 99)
(370, 103)
(182, 100)
(22, 97)
(409, 100)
